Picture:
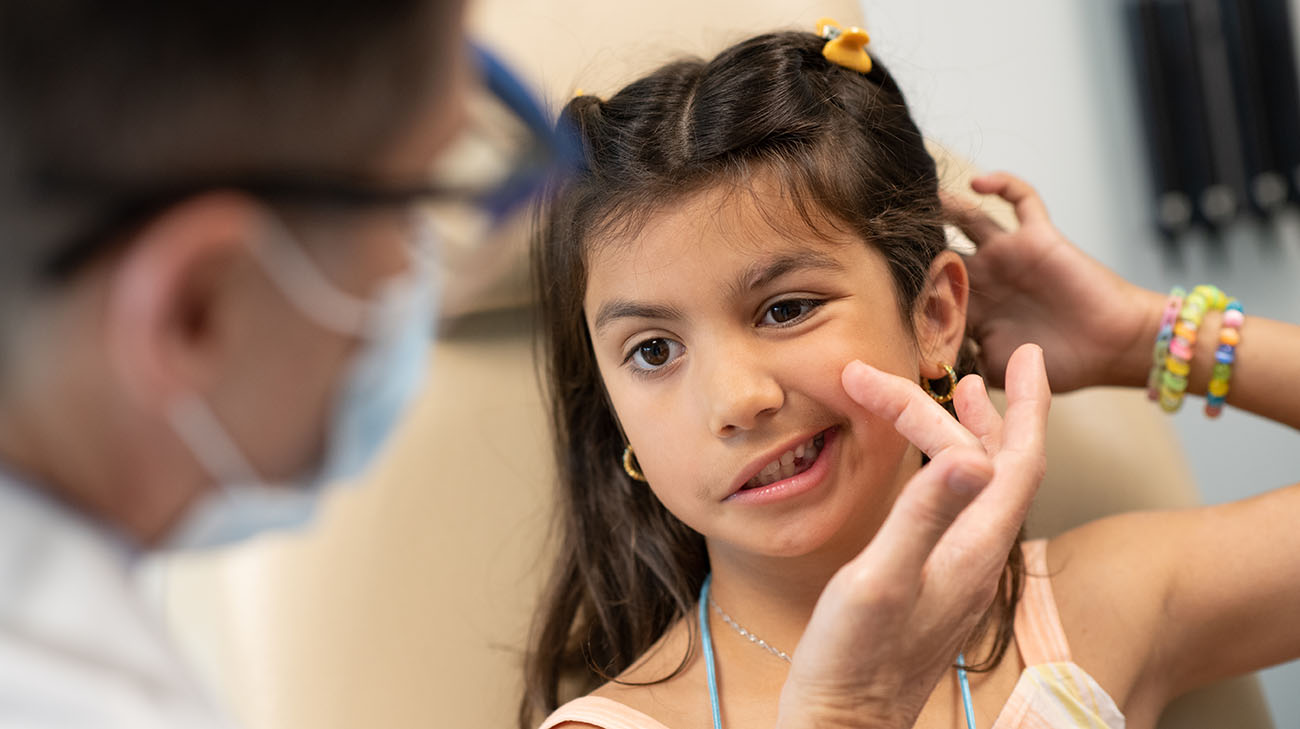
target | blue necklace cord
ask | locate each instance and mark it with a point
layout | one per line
(967, 704)
(711, 665)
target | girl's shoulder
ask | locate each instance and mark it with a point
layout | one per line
(630, 705)
(1108, 587)
(648, 695)
(601, 712)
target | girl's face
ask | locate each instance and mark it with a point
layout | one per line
(720, 331)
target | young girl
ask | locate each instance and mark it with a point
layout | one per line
(745, 234)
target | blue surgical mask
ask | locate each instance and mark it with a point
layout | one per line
(396, 328)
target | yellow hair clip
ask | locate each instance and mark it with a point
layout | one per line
(845, 48)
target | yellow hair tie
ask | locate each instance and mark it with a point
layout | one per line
(845, 48)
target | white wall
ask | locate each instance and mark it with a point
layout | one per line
(1044, 89)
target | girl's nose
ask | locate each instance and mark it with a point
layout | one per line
(740, 393)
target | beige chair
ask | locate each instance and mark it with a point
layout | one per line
(407, 606)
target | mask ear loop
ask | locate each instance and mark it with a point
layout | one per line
(196, 424)
(301, 280)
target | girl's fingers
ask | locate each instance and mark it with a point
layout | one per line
(904, 404)
(925, 509)
(968, 216)
(1029, 206)
(976, 412)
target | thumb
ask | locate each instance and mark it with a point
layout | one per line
(928, 505)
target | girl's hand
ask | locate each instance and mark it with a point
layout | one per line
(890, 623)
(1033, 285)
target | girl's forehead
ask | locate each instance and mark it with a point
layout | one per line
(715, 232)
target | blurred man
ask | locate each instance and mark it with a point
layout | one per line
(212, 302)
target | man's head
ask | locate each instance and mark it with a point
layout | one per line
(129, 273)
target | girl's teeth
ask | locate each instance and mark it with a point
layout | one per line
(801, 457)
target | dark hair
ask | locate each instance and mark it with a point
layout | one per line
(846, 150)
(139, 93)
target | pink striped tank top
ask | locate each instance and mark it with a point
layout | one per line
(1052, 693)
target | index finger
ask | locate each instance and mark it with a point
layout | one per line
(913, 413)
(1029, 206)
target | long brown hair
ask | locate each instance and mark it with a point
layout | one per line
(846, 149)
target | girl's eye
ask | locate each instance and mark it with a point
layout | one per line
(789, 311)
(654, 353)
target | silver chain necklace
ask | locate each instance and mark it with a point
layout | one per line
(748, 635)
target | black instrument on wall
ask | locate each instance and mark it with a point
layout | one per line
(1221, 106)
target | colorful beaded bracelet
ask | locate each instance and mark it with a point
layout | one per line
(1166, 334)
(1173, 381)
(1226, 353)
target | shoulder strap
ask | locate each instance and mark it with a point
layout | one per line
(1039, 634)
(600, 712)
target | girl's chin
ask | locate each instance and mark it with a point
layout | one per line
(809, 538)
(835, 533)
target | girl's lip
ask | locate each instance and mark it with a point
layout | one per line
(796, 484)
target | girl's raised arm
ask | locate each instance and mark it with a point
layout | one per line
(1095, 328)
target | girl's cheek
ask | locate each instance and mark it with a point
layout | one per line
(666, 453)
(818, 366)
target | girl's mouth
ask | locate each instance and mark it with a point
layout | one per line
(792, 462)
(794, 472)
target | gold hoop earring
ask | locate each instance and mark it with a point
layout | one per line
(631, 467)
(952, 386)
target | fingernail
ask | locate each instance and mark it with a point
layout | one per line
(856, 368)
(966, 480)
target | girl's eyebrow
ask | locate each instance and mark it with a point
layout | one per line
(616, 309)
(761, 273)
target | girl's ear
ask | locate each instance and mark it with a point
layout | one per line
(940, 316)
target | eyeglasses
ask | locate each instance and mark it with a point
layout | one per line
(507, 151)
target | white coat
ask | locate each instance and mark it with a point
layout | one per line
(79, 645)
